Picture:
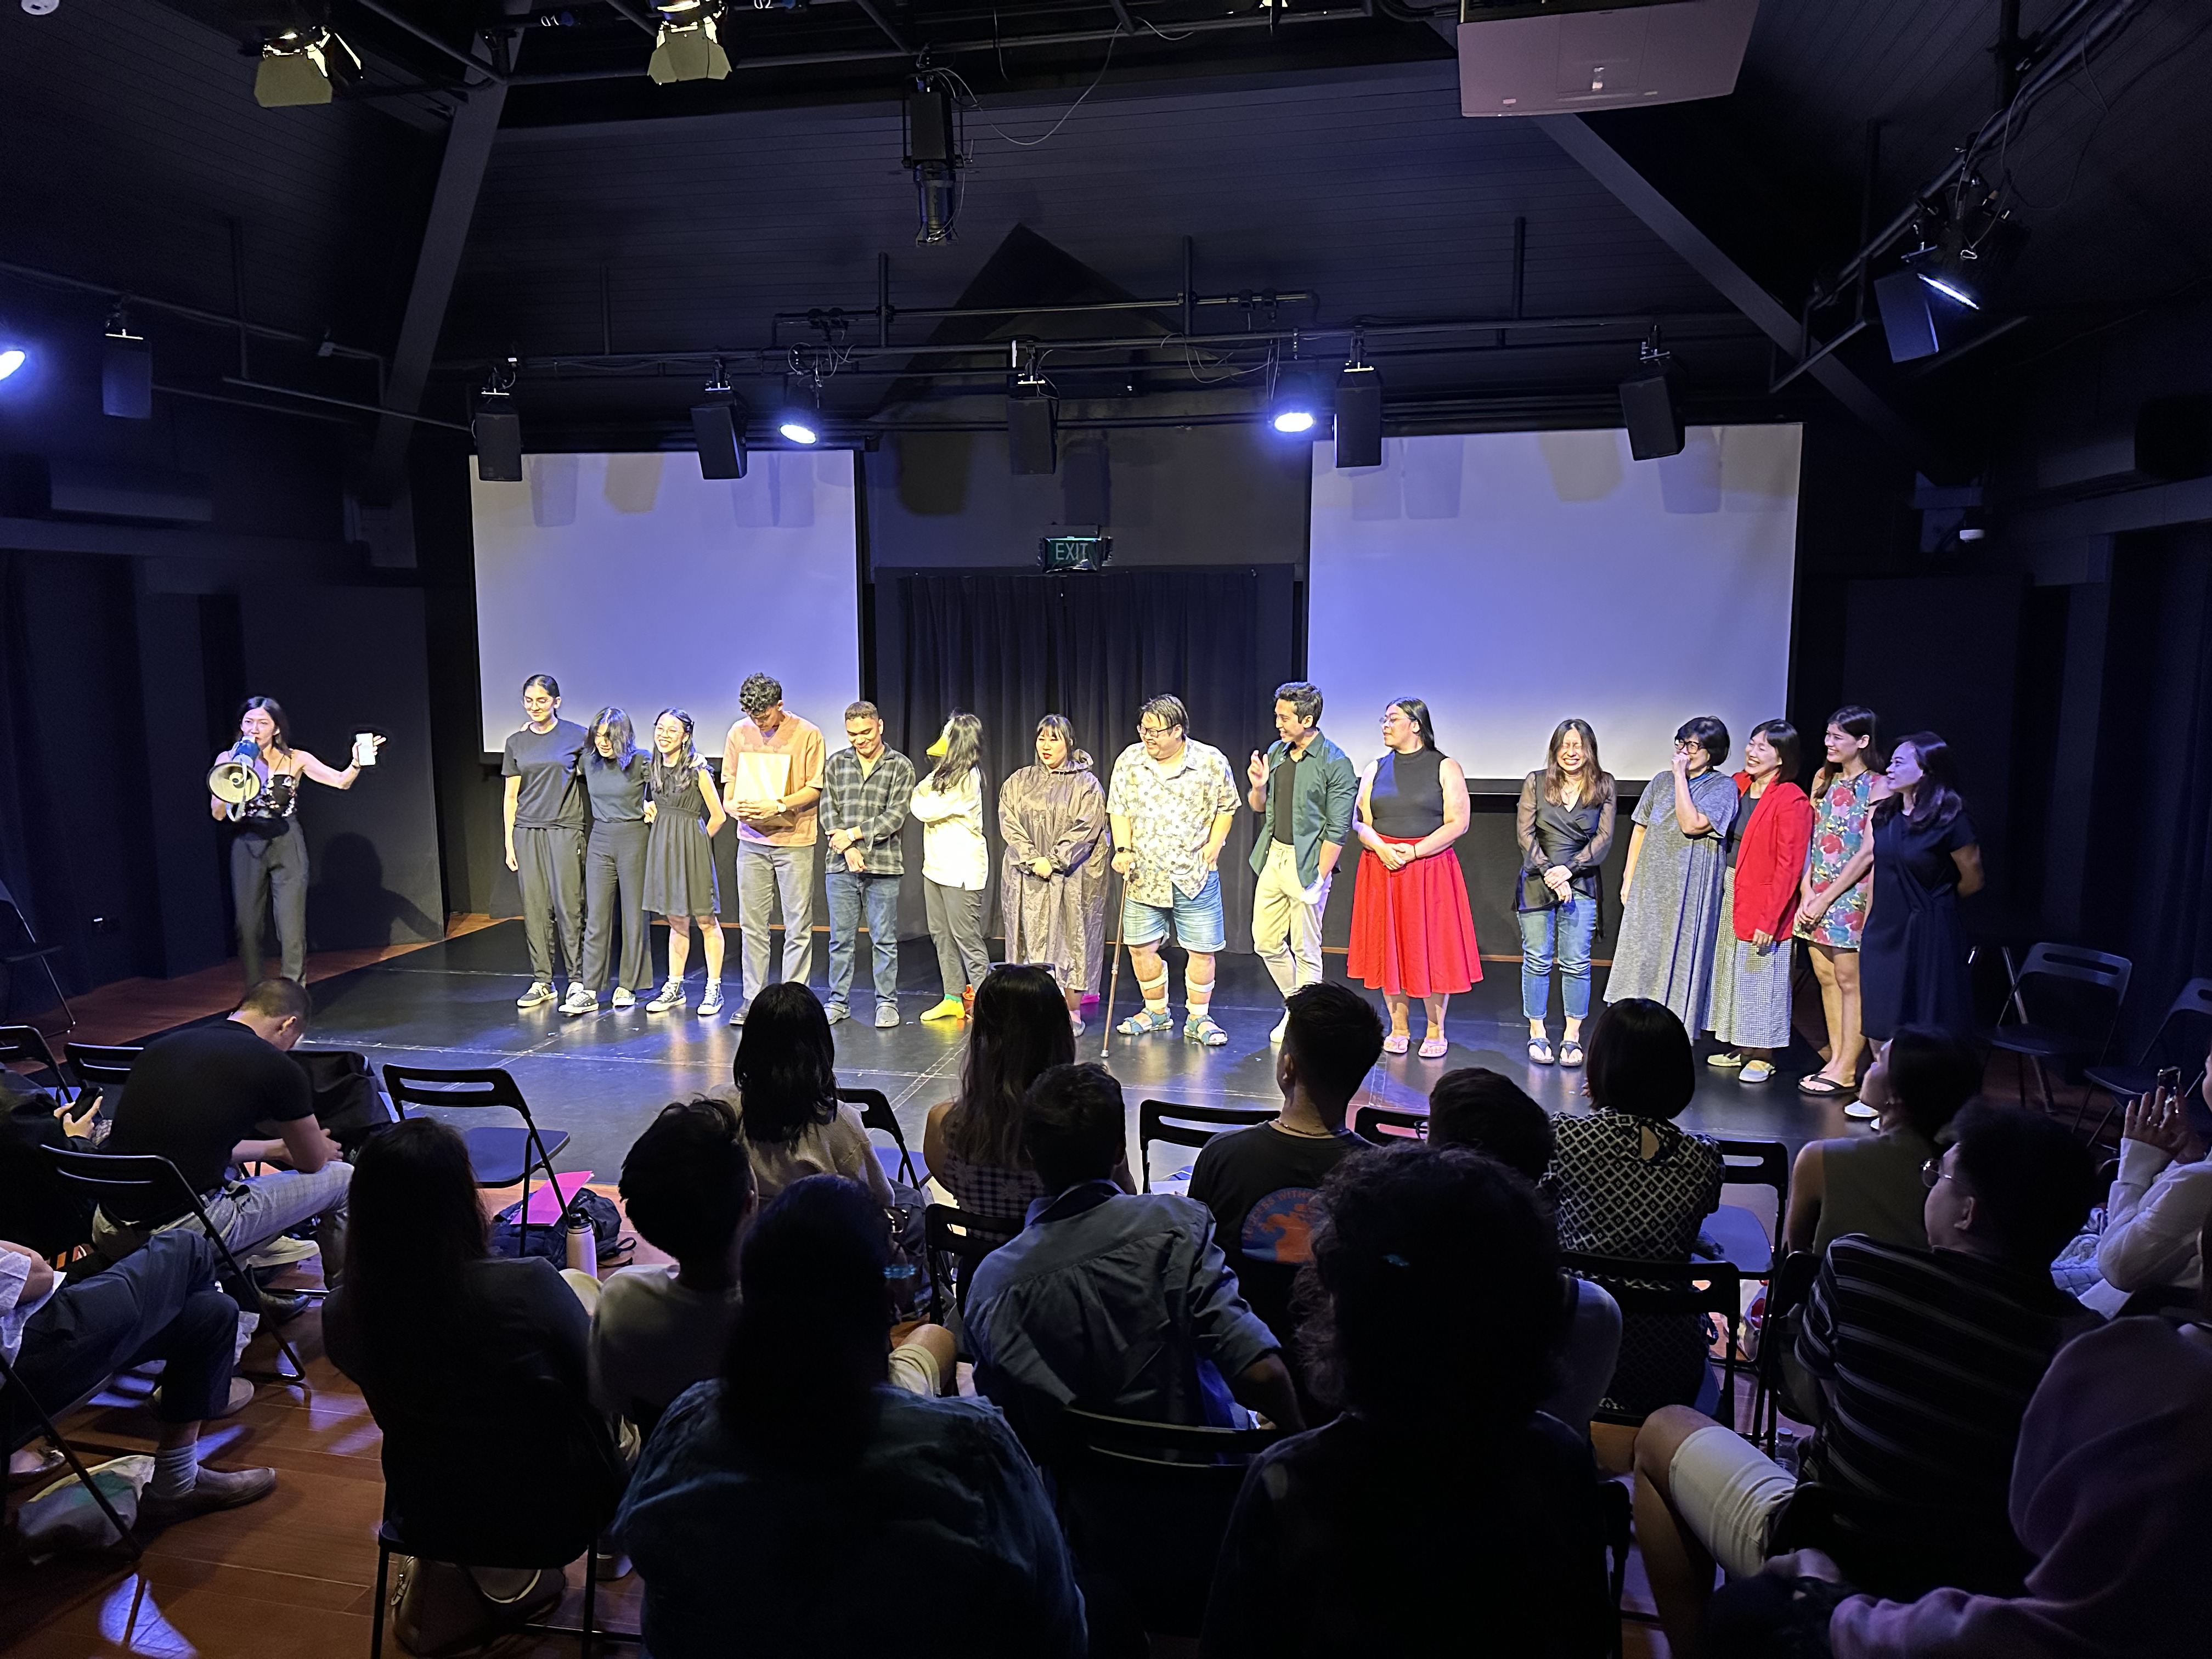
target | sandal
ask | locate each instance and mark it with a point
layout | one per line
(1570, 1054)
(1821, 1084)
(1727, 1060)
(1434, 1048)
(1397, 1042)
(1540, 1052)
(1144, 1022)
(1203, 1031)
(1756, 1071)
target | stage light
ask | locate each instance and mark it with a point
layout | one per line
(126, 373)
(799, 428)
(1032, 421)
(690, 45)
(11, 359)
(930, 119)
(298, 66)
(1358, 411)
(1294, 420)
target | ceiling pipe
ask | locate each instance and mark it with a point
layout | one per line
(401, 21)
(230, 325)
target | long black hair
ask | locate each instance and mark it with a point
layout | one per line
(1418, 712)
(786, 1067)
(1020, 1027)
(1935, 797)
(275, 710)
(413, 1224)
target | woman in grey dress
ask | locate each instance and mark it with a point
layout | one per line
(1051, 881)
(685, 810)
(1670, 893)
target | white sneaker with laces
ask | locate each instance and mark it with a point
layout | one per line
(580, 1001)
(711, 1005)
(622, 997)
(671, 996)
(537, 996)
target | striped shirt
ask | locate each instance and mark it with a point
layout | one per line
(1929, 1358)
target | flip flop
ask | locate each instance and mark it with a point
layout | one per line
(1540, 1052)
(1570, 1054)
(1435, 1047)
(1825, 1088)
(1397, 1042)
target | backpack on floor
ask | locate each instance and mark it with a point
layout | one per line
(546, 1237)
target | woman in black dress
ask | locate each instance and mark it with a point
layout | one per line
(1912, 957)
(685, 811)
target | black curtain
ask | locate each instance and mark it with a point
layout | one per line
(1011, 647)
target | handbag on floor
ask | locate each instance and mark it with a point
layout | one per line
(441, 1611)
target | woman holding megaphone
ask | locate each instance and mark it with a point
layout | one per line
(255, 785)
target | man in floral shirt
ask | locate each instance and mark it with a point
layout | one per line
(1172, 803)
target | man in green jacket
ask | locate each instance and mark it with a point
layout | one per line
(1303, 788)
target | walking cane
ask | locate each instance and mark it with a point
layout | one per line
(1113, 981)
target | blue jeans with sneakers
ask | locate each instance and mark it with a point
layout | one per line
(851, 893)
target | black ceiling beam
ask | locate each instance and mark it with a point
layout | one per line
(632, 12)
(875, 14)
(400, 20)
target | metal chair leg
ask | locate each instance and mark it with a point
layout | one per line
(376, 1613)
(591, 1597)
(15, 1386)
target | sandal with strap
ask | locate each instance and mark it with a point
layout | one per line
(1204, 1032)
(1144, 1022)
(1540, 1051)
(1756, 1071)
(1397, 1042)
(1570, 1054)
(1435, 1047)
(1825, 1087)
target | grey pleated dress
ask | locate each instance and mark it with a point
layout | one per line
(1673, 907)
(679, 863)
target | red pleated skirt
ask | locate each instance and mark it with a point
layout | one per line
(1413, 934)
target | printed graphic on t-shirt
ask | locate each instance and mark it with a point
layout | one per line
(1280, 1227)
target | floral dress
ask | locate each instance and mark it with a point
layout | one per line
(1839, 832)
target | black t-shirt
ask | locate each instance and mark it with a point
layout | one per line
(1263, 1185)
(193, 1096)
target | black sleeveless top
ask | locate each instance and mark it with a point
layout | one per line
(1407, 799)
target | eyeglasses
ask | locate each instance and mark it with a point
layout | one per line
(1933, 1171)
(1148, 733)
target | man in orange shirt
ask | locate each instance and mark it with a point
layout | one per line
(771, 780)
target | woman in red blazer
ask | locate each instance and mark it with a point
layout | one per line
(1767, 846)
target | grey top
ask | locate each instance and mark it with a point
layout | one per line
(1872, 1186)
(617, 792)
(1670, 917)
(546, 763)
(1407, 799)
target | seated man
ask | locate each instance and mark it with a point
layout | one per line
(196, 1098)
(1926, 1360)
(1487, 1112)
(63, 1341)
(1118, 1301)
(1263, 1183)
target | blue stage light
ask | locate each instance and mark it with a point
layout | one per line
(799, 428)
(11, 359)
(1294, 420)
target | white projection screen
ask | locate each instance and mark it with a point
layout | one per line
(633, 581)
(1513, 579)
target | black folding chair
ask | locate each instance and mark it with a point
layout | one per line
(1165, 1122)
(1385, 1126)
(1745, 1239)
(20, 1435)
(103, 1175)
(15, 952)
(500, 1156)
(955, 1240)
(1693, 1287)
(100, 1067)
(2124, 1082)
(27, 1043)
(1785, 1294)
(392, 1539)
(2075, 981)
(876, 1115)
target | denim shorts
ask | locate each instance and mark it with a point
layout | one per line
(1198, 924)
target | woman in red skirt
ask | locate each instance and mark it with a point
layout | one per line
(1413, 934)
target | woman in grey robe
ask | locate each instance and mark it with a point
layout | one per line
(1052, 882)
(1670, 895)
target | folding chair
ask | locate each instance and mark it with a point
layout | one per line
(1163, 1120)
(14, 954)
(27, 1043)
(1384, 1126)
(500, 1156)
(2124, 1082)
(1785, 1294)
(876, 1114)
(100, 1067)
(18, 1436)
(2073, 1031)
(1672, 1287)
(1744, 1239)
(103, 1175)
(950, 1236)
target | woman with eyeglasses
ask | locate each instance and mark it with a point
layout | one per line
(615, 770)
(1758, 901)
(1670, 893)
(1913, 958)
(684, 810)
(1052, 880)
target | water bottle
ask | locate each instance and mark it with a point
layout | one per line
(582, 1243)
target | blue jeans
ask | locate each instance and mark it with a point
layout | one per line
(1562, 937)
(852, 892)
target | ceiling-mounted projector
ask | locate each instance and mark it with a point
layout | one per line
(1572, 55)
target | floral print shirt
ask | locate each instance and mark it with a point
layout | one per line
(1839, 829)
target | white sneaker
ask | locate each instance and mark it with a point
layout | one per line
(1860, 1110)
(622, 997)
(580, 1001)
(1075, 1024)
(671, 996)
(537, 996)
(711, 1005)
(1282, 1030)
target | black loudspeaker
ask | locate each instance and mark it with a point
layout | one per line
(1655, 425)
(499, 446)
(1908, 322)
(722, 441)
(1032, 433)
(1359, 417)
(2173, 438)
(126, 383)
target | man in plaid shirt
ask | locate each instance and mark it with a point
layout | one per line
(866, 792)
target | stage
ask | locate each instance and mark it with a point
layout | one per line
(603, 1077)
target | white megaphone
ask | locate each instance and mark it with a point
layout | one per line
(233, 781)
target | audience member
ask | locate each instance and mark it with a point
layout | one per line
(801, 1504)
(1261, 1183)
(161, 1303)
(42, 1210)
(784, 1084)
(1487, 1112)
(476, 1367)
(1120, 1303)
(973, 1143)
(2159, 1206)
(1925, 1360)
(1871, 1184)
(1630, 1184)
(687, 1186)
(196, 1098)
(1442, 1511)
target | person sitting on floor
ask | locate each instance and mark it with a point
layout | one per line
(973, 1142)
(62, 1340)
(1871, 1184)
(1261, 1183)
(784, 1084)
(476, 1367)
(1441, 1500)
(801, 1504)
(1925, 1359)
(196, 1098)
(1487, 1112)
(1120, 1303)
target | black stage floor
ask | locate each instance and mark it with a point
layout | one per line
(602, 1078)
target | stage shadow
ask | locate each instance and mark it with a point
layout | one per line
(348, 906)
